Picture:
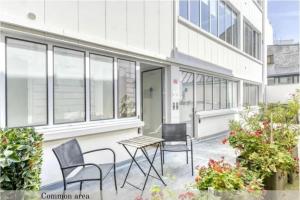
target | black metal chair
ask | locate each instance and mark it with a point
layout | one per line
(176, 133)
(70, 157)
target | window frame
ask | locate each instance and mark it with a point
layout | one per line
(84, 82)
(6, 38)
(90, 88)
(135, 87)
(255, 43)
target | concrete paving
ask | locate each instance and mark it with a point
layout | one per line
(177, 174)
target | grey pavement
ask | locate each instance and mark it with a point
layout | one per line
(177, 174)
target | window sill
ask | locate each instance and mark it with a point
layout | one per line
(216, 113)
(56, 132)
(190, 25)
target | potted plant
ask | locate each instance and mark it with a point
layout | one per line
(259, 151)
(227, 181)
(20, 159)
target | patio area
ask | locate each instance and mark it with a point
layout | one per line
(177, 174)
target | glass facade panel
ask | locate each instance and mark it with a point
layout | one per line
(205, 19)
(208, 92)
(235, 31)
(216, 93)
(26, 76)
(69, 85)
(214, 17)
(126, 88)
(200, 92)
(195, 12)
(183, 8)
(228, 24)
(101, 87)
(221, 31)
(235, 94)
(224, 94)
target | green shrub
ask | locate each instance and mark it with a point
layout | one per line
(20, 159)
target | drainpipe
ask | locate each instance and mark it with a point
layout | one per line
(264, 51)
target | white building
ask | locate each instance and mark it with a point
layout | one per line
(102, 71)
(283, 71)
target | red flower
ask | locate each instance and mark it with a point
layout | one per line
(296, 158)
(224, 140)
(232, 133)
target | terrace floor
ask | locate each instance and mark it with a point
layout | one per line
(177, 174)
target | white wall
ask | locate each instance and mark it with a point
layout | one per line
(281, 93)
(50, 170)
(139, 24)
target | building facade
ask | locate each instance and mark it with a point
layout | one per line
(283, 71)
(102, 71)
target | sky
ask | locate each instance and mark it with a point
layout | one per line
(284, 17)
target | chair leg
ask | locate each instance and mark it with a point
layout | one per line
(65, 185)
(115, 178)
(192, 163)
(163, 153)
(161, 162)
(81, 185)
(187, 157)
(101, 185)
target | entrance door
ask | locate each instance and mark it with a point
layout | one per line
(186, 108)
(152, 102)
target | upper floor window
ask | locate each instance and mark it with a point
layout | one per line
(281, 80)
(270, 59)
(214, 16)
(252, 41)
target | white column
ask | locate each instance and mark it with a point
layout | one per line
(2, 81)
(174, 94)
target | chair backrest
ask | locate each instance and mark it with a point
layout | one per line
(174, 132)
(68, 154)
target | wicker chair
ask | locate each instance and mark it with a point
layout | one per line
(176, 133)
(70, 157)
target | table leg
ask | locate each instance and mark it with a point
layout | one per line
(133, 159)
(151, 166)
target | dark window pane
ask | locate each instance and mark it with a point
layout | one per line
(235, 31)
(200, 92)
(223, 94)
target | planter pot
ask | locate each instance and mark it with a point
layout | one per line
(292, 176)
(276, 181)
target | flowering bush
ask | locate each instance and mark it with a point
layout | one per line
(221, 176)
(263, 147)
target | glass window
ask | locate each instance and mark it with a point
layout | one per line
(208, 92)
(235, 31)
(101, 87)
(271, 81)
(195, 11)
(251, 94)
(216, 93)
(254, 50)
(26, 64)
(228, 24)
(270, 59)
(214, 17)
(296, 79)
(126, 88)
(223, 94)
(229, 94)
(69, 85)
(200, 92)
(205, 15)
(183, 8)
(246, 94)
(235, 94)
(221, 20)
